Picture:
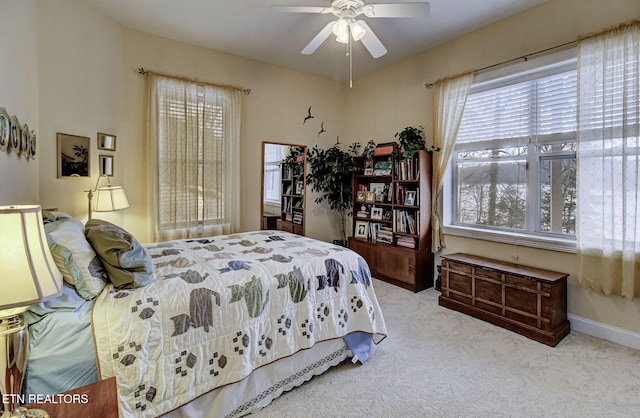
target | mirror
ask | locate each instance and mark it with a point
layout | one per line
(283, 184)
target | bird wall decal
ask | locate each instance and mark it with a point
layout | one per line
(321, 129)
(309, 116)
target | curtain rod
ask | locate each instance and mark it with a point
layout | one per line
(523, 57)
(142, 71)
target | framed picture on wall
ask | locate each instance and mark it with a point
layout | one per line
(106, 142)
(106, 165)
(73, 155)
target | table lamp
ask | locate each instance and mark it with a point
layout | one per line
(108, 198)
(28, 276)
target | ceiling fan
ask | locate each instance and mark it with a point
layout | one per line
(347, 27)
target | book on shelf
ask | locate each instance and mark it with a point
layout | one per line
(406, 222)
(297, 218)
(407, 169)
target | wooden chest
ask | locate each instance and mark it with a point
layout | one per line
(530, 301)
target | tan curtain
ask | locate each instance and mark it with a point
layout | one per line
(193, 139)
(449, 98)
(608, 155)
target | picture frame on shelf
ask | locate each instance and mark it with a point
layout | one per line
(376, 213)
(378, 189)
(361, 196)
(106, 142)
(410, 198)
(371, 197)
(362, 229)
(368, 167)
(73, 155)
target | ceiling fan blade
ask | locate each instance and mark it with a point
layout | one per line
(300, 9)
(319, 39)
(397, 10)
(371, 41)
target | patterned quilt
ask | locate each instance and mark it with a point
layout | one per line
(224, 306)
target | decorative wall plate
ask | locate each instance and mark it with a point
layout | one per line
(5, 129)
(24, 141)
(32, 144)
(14, 141)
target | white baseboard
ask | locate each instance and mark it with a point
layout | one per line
(606, 332)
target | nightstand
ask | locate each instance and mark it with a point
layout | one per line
(96, 400)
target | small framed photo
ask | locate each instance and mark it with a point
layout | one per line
(106, 142)
(410, 198)
(361, 196)
(378, 189)
(368, 168)
(376, 213)
(106, 165)
(72, 155)
(362, 229)
(371, 197)
(387, 215)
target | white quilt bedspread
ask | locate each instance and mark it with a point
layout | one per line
(224, 306)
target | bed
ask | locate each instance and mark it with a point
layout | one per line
(208, 327)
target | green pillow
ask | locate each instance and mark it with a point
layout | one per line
(126, 261)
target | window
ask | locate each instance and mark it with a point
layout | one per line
(195, 136)
(513, 169)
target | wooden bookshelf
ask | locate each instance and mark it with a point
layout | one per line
(392, 218)
(293, 203)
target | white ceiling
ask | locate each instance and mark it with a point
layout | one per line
(249, 29)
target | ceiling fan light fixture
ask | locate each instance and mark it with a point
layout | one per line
(343, 38)
(357, 31)
(341, 27)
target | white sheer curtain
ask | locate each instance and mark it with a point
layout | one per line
(449, 98)
(608, 231)
(193, 141)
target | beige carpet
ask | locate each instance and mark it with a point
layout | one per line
(440, 363)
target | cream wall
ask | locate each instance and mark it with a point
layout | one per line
(86, 65)
(273, 112)
(19, 96)
(80, 72)
(388, 100)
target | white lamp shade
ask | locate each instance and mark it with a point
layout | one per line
(28, 274)
(357, 31)
(110, 198)
(343, 38)
(341, 27)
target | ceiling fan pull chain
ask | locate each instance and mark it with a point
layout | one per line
(350, 61)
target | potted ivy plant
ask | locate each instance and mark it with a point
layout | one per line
(330, 176)
(411, 140)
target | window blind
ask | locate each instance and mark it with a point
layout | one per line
(539, 106)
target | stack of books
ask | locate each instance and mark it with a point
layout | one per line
(385, 234)
(407, 242)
